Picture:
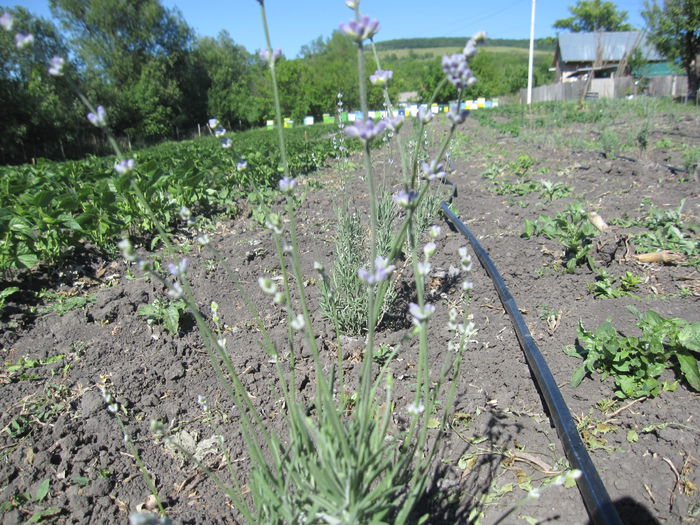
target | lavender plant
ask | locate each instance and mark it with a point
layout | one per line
(345, 463)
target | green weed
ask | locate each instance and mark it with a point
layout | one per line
(635, 363)
(604, 286)
(572, 229)
(165, 312)
(61, 302)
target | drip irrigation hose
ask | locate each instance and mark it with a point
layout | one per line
(595, 497)
(673, 169)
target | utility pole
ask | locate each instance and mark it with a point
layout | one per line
(532, 55)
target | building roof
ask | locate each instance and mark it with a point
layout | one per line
(582, 47)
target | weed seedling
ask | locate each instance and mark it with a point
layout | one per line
(165, 312)
(635, 363)
(572, 229)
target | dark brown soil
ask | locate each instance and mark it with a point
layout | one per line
(56, 425)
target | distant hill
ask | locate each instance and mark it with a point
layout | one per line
(541, 44)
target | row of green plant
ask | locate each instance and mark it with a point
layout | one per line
(49, 208)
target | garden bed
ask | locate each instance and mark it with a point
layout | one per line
(87, 331)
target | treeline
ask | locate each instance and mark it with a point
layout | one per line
(158, 80)
(541, 44)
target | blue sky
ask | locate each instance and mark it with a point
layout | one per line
(293, 24)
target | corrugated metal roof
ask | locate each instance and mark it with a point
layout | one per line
(582, 47)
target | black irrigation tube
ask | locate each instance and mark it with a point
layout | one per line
(670, 168)
(595, 497)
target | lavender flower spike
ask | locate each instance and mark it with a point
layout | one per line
(365, 131)
(381, 273)
(395, 123)
(420, 314)
(433, 171)
(99, 118)
(23, 40)
(124, 166)
(56, 66)
(6, 20)
(287, 184)
(405, 198)
(381, 77)
(178, 269)
(264, 55)
(457, 116)
(425, 115)
(360, 30)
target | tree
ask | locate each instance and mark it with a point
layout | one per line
(675, 31)
(38, 117)
(594, 15)
(222, 78)
(127, 49)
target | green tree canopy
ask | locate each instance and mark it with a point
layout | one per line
(133, 53)
(675, 30)
(594, 15)
(38, 115)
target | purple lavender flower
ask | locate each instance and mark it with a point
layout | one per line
(23, 40)
(287, 184)
(360, 30)
(124, 166)
(365, 130)
(99, 118)
(381, 77)
(433, 171)
(420, 314)
(179, 268)
(424, 114)
(395, 123)
(469, 49)
(56, 66)
(382, 271)
(264, 55)
(457, 116)
(457, 70)
(405, 198)
(423, 268)
(6, 20)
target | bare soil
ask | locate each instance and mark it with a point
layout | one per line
(55, 424)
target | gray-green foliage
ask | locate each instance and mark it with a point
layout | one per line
(425, 215)
(346, 305)
(691, 159)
